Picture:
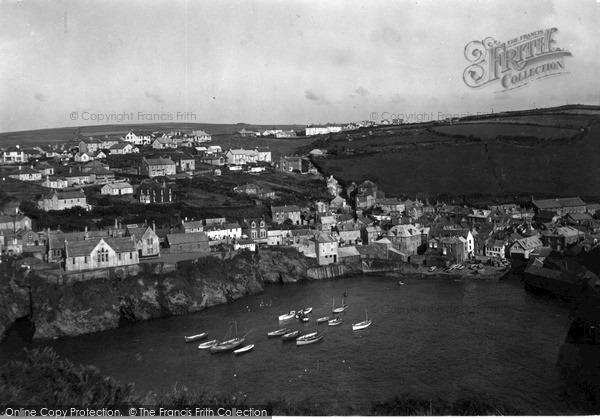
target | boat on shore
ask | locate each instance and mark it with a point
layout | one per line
(208, 344)
(339, 309)
(194, 338)
(290, 336)
(362, 325)
(287, 316)
(245, 349)
(322, 319)
(279, 332)
(335, 322)
(309, 338)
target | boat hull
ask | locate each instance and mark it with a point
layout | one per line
(194, 338)
(227, 346)
(308, 339)
(361, 325)
(279, 332)
(290, 336)
(323, 320)
(287, 316)
(208, 345)
(243, 350)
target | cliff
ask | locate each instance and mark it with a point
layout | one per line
(108, 298)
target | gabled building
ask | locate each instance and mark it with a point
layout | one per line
(241, 156)
(99, 253)
(326, 248)
(158, 167)
(183, 162)
(76, 177)
(60, 200)
(14, 155)
(15, 223)
(55, 182)
(123, 148)
(282, 213)
(255, 229)
(495, 248)
(524, 247)
(26, 173)
(139, 138)
(192, 226)
(45, 169)
(154, 192)
(116, 189)
(562, 206)
(560, 238)
(147, 243)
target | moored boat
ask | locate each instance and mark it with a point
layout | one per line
(244, 349)
(287, 316)
(334, 322)
(309, 338)
(363, 324)
(339, 309)
(194, 338)
(290, 336)
(208, 344)
(278, 332)
(227, 345)
(303, 312)
(323, 319)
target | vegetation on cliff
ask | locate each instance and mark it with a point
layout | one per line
(42, 378)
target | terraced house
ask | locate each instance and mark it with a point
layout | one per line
(60, 200)
(98, 253)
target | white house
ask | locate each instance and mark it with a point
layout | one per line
(119, 188)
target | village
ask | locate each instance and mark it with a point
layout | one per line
(350, 224)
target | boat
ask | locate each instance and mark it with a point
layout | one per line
(400, 283)
(334, 322)
(309, 338)
(245, 349)
(208, 344)
(279, 332)
(291, 335)
(305, 319)
(194, 338)
(323, 319)
(228, 345)
(339, 309)
(287, 316)
(303, 312)
(363, 324)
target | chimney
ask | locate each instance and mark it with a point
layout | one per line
(116, 225)
(153, 226)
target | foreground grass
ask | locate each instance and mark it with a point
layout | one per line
(44, 378)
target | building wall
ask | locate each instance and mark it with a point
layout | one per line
(92, 261)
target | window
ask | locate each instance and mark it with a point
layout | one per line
(103, 255)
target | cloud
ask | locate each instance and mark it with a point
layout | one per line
(40, 97)
(396, 98)
(311, 95)
(362, 91)
(341, 57)
(156, 98)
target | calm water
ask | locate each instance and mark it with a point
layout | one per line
(429, 338)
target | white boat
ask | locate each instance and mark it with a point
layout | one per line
(400, 283)
(194, 338)
(309, 338)
(334, 322)
(228, 345)
(307, 310)
(363, 324)
(291, 335)
(209, 344)
(323, 319)
(339, 309)
(279, 332)
(287, 316)
(303, 312)
(243, 350)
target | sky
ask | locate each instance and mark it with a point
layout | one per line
(74, 63)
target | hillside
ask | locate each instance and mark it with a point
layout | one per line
(547, 152)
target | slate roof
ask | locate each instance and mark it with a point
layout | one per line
(558, 203)
(185, 238)
(85, 247)
(159, 162)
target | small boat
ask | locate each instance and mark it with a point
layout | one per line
(291, 335)
(243, 350)
(194, 338)
(287, 316)
(339, 309)
(304, 319)
(309, 338)
(303, 312)
(307, 310)
(363, 324)
(334, 322)
(279, 332)
(400, 283)
(208, 344)
(323, 319)
(227, 345)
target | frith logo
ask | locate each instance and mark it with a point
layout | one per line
(514, 63)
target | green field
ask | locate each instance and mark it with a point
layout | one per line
(491, 131)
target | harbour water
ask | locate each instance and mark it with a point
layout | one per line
(429, 338)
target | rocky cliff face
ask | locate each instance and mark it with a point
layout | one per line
(106, 301)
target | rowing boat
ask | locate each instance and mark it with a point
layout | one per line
(194, 338)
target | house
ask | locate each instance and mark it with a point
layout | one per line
(522, 248)
(371, 234)
(100, 175)
(26, 173)
(14, 155)
(83, 157)
(96, 155)
(213, 159)
(255, 228)
(264, 154)
(349, 237)
(15, 223)
(333, 186)
(559, 238)
(326, 248)
(245, 244)
(280, 214)
(45, 169)
(279, 237)
(188, 242)
(241, 156)
(327, 223)
(154, 192)
(200, 136)
(90, 145)
(407, 238)
(226, 231)
(246, 133)
(76, 177)
(254, 190)
(98, 253)
(10, 243)
(183, 162)
(480, 216)
(118, 188)
(158, 167)
(339, 203)
(60, 200)
(495, 248)
(192, 226)
(562, 206)
(147, 243)
(389, 205)
(291, 163)
(55, 182)
(164, 142)
(123, 148)
(139, 138)
(322, 129)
